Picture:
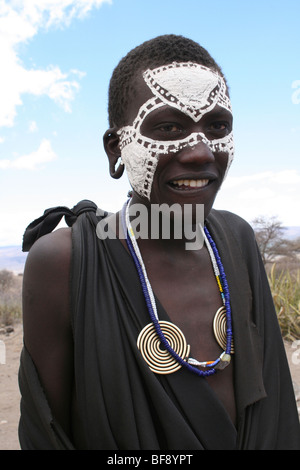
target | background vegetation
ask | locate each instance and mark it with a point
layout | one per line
(10, 298)
(281, 258)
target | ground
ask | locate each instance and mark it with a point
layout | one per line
(9, 390)
(10, 396)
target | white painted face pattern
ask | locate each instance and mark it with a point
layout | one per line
(193, 89)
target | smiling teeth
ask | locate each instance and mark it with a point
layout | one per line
(191, 183)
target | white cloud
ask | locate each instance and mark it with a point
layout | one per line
(32, 127)
(283, 177)
(44, 154)
(272, 193)
(20, 21)
(57, 12)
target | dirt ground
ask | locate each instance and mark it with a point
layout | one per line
(9, 389)
(10, 396)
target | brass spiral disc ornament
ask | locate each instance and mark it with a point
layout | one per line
(219, 326)
(156, 356)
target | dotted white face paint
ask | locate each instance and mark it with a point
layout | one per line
(193, 89)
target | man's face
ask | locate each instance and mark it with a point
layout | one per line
(179, 143)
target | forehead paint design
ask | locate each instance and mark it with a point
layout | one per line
(193, 89)
(189, 87)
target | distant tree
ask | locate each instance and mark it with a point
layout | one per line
(293, 247)
(10, 298)
(269, 237)
(6, 280)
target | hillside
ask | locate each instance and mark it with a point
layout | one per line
(12, 258)
(291, 233)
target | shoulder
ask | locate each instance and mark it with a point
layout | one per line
(46, 278)
(235, 232)
(49, 256)
(46, 318)
(51, 248)
(233, 223)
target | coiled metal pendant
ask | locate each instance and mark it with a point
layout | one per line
(219, 327)
(156, 356)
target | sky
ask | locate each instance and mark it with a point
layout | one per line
(57, 57)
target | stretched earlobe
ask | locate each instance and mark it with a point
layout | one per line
(111, 144)
(116, 173)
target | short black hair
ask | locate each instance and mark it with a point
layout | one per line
(159, 51)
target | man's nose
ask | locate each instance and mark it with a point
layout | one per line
(198, 153)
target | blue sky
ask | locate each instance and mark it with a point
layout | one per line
(57, 57)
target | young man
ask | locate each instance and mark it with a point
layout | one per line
(142, 342)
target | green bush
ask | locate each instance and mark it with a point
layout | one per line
(285, 287)
(10, 298)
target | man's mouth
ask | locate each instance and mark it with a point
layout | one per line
(186, 184)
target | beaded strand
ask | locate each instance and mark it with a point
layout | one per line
(224, 289)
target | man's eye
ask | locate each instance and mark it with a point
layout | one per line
(169, 128)
(219, 126)
(168, 131)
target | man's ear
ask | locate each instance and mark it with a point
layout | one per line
(111, 143)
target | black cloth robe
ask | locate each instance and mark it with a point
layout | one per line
(122, 404)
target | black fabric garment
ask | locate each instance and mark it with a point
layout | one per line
(122, 404)
(38, 430)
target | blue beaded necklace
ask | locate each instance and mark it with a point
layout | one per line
(162, 344)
